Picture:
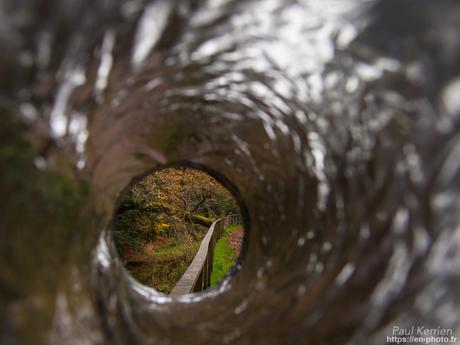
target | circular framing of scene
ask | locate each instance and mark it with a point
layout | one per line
(180, 229)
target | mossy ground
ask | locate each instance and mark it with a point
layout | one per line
(224, 254)
(162, 267)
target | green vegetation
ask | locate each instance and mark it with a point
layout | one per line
(166, 268)
(161, 221)
(170, 251)
(224, 255)
(173, 203)
(202, 220)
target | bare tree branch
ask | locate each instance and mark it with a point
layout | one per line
(199, 204)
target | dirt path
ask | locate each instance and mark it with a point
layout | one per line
(236, 239)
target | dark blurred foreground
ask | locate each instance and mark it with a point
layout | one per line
(334, 122)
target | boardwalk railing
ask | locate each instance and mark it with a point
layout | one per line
(233, 219)
(198, 275)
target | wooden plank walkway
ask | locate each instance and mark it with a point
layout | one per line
(198, 275)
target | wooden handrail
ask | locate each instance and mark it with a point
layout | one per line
(198, 275)
(233, 219)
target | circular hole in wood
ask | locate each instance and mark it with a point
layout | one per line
(179, 230)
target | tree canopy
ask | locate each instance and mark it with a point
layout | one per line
(169, 203)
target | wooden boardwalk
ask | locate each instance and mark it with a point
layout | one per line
(198, 275)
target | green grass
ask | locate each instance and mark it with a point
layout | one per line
(175, 250)
(169, 264)
(162, 277)
(224, 256)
